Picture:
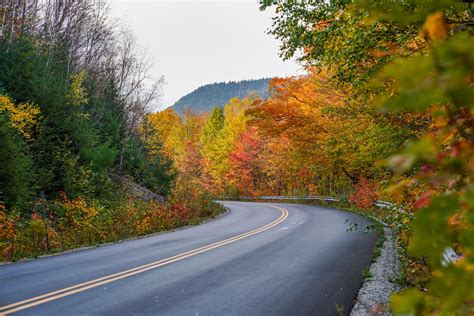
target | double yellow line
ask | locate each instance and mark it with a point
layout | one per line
(37, 300)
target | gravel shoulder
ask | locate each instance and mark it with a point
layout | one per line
(374, 295)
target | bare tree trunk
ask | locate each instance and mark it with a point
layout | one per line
(66, 80)
(333, 176)
(12, 29)
(354, 179)
(23, 18)
(4, 23)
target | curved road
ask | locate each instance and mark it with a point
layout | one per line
(261, 259)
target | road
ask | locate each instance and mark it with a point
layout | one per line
(261, 259)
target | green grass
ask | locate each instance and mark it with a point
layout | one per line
(366, 274)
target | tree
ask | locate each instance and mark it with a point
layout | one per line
(216, 150)
(213, 126)
(311, 112)
(15, 167)
(335, 34)
(69, 61)
(246, 166)
(440, 83)
(23, 117)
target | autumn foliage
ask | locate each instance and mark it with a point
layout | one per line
(306, 138)
(365, 195)
(406, 124)
(75, 222)
(384, 110)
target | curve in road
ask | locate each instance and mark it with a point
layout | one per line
(300, 260)
(34, 301)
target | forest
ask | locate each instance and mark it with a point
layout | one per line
(384, 111)
(74, 89)
(204, 98)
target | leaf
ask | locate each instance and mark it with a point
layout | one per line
(408, 302)
(431, 228)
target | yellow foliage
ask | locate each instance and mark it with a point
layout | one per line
(435, 27)
(23, 117)
(78, 211)
(77, 94)
(157, 131)
(144, 225)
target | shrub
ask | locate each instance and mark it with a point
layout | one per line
(366, 193)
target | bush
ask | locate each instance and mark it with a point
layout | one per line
(365, 195)
(76, 222)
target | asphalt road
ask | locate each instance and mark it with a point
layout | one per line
(261, 259)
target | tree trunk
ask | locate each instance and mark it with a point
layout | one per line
(4, 16)
(354, 179)
(12, 29)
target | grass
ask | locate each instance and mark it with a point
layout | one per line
(366, 274)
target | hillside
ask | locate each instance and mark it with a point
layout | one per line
(204, 98)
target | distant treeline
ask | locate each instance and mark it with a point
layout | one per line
(204, 98)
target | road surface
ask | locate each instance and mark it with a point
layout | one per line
(261, 259)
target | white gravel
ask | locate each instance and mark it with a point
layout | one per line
(374, 295)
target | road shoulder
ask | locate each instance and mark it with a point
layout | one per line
(374, 295)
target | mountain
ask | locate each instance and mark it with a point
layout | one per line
(204, 98)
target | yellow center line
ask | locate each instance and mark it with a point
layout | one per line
(137, 268)
(34, 301)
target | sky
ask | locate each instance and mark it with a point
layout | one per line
(193, 43)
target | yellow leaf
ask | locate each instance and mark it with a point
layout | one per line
(435, 27)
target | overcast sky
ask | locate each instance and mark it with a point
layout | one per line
(194, 43)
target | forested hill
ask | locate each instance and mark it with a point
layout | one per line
(204, 98)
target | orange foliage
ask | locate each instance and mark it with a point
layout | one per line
(300, 110)
(365, 195)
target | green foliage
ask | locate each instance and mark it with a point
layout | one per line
(366, 274)
(77, 179)
(409, 12)
(82, 131)
(159, 174)
(415, 84)
(15, 167)
(335, 34)
(441, 83)
(432, 229)
(213, 125)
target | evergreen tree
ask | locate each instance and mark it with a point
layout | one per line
(15, 166)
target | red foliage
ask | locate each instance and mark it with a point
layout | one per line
(36, 217)
(245, 161)
(8, 232)
(366, 194)
(180, 212)
(424, 200)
